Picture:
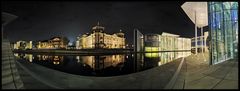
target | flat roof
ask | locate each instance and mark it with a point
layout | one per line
(201, 12)
(169, 34)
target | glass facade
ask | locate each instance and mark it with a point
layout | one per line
(223, 24)
(151, 44)
(138, 41)
(168, 43)
(173, 44)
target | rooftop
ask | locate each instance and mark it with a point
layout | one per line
(197, 10)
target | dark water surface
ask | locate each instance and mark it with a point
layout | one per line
(100, 65)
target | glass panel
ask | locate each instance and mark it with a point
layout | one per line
(227, 15)
(234, 15)
(226, 5)
(217, 7)
(234, 5)
(212, 9)
(223, 22)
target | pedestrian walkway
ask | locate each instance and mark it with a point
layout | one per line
(198, 74)
(30, 82)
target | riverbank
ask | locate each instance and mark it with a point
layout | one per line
(77, 51)
(89, 51)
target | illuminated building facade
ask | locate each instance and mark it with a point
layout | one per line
(99, 39)
(23, 45)
(59, 42)
(166, 42)
(202, 45)
(43, 45)
(53, 43)
(183, 44)
(223, 24)
(172, 42)
(151, 44)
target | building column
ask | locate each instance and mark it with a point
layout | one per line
(195, 33)
(202, 38)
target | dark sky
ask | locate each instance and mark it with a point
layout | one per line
(39, 20)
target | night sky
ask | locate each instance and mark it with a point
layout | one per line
(41, 20)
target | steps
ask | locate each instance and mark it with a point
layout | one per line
(10, 76)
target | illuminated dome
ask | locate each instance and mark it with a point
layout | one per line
(98, 28)
(120, 34)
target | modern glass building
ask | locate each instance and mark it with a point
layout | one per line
(168, 42)
(138, 41)
(172, 44)
(151, 44)
(198, 14)
(223, 25)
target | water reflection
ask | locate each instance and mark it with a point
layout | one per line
(165, 57)
(28, 57)
(101, 62)
(101, 65)
(56, 60)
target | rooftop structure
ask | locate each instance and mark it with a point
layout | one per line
(198, 13)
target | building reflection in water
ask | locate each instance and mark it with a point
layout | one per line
(56, 60)
(28, 57)
(101, 62)
(100, 65)
(164, 57)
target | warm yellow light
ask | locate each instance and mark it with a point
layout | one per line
(56, 62)
(56, 58)
(151, 49)
(151, 55)
(159, 63)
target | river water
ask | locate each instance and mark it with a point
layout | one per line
(101, 65)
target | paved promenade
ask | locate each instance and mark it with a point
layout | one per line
(197, 74)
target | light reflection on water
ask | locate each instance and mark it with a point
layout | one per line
(101, 65)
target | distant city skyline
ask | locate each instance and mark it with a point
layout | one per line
(39, 20)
